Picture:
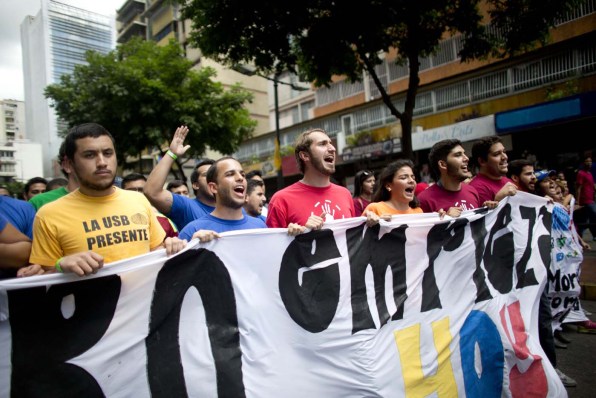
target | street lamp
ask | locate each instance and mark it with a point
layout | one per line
(243, 69)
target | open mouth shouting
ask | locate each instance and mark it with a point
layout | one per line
(239, 190)
(409, 191)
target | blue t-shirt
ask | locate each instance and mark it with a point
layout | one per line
(219, 225)
(2, 222)
(19, 213)
(184, 210)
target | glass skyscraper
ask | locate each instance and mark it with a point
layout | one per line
(54, 42)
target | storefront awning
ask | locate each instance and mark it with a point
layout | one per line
(566, 109)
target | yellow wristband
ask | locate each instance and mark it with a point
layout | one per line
(172, 154)
(57, 265)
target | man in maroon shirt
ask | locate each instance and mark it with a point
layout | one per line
(521, 172)
(449, 167)
(491, 181)
(584, 187)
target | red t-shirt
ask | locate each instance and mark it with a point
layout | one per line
(586, 181)
(487, 188)
(359, 206)
(436, 197)
(299, 201)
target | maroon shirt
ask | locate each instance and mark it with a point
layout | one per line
(487, 188)
(436, 197)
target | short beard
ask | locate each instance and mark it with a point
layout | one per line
(95, 187)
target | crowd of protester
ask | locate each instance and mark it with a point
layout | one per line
(83, 221)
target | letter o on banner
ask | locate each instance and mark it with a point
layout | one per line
(480, 329)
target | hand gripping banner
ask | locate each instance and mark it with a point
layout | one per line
(411, 307)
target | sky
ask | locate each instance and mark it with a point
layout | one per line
(12, 14)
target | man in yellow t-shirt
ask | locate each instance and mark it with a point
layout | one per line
(98, 223)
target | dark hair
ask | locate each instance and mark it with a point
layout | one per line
(84, 130)
(130, 178)
(175, 184)
(386, 176)
(253, 173)
(34, 180)
(56, 183)
(61, 156)
(481, 148)
(252, 184)
(440, 151)
(516, 166)
(302, 144)
(359, 178)
(194, 177)
(212, 172)
(538, 190)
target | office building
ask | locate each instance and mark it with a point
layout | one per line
(54, 41)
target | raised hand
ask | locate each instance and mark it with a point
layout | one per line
(177, 145)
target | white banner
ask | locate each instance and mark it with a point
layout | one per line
(563, 278)
(408, 308)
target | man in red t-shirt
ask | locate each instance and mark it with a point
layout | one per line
(584, 187)
(313, 200)
(491, 181)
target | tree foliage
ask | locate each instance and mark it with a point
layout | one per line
(141, 92)
(322, 38)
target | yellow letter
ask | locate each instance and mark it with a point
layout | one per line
(408, 346)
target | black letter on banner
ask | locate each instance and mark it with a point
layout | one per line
(499, 253)
(311, 302)
(526, 278)
(389, 251)
(478, 234)
(446, 236)
(203, 270)
(43, 340)
(544, 245)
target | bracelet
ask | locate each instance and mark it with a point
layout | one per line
(57, 265)
(172, 154)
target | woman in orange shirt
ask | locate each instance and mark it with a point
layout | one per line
(395, 191)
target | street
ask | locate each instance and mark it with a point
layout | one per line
(578, 359)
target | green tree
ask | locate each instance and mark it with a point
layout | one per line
(141, 92)
(323, 38)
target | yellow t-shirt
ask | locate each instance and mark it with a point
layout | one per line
(117, 226)
(382, 208)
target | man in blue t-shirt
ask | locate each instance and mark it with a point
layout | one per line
(227, 184)
(19, 213)
(180, 209)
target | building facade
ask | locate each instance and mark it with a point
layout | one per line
(12, 120)
(54, 41)
(506, 97)
(160, 21)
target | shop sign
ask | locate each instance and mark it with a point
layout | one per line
(373, 150)
(464, 131)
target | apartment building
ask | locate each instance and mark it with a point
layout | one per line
(526, 99)
(12, 120)
(160, 21)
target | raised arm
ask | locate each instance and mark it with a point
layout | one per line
(161, 198)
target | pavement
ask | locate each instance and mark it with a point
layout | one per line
(587, 277)
(578, 360)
